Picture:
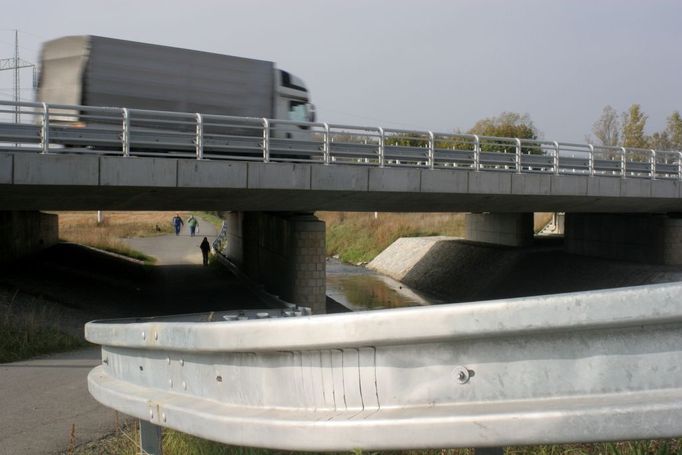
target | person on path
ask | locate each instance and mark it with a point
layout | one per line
(192, 223)
(177, 223)
(205, 248)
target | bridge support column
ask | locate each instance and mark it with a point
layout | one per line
(283, 251)
(647, 238)
(512, 229)
(25, 232)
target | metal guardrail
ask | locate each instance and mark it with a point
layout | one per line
(134, 132)
(595, 366)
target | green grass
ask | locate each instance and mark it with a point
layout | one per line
(124, 442)
(211, 217)
(26, 332)
(123, 250)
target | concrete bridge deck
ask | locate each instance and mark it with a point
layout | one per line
(30, 181)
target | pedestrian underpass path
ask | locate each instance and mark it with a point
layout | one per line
(41, 399)
(175, 249)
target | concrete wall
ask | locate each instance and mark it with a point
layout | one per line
(285, 252)
(23, 233)
(511, 229)
(647, 238)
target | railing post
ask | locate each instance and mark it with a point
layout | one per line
(432, 150)
(150, 438)
(45, 130)
(518, 155)
(266, 141)
(556, 158)
(199, 139)
(679, 165)
(590, 161)
(326, 147)
(477, 153)
(653, 164)
(623, 161)
(125, 133)
(382, 158)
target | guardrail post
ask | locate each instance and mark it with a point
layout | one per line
(45, 130)
(477, 153)
(623, 161)
(518, 155)
(125, 133)
(432, 149)
(590, 160)
(556, 158)
(266, 141)
(679, 165)
(150, 438)
(326, 147)
(653, 164)
(199, 139)
(382, 158)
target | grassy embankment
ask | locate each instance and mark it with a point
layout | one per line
(82, 228)
(358, 237)
(124, 442)
(31, 326)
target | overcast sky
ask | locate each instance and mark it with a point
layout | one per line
(425, 64)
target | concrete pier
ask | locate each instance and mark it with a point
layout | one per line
(511, 229)
(25, 232)
(283, 251)
(646, 238)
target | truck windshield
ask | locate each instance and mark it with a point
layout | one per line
(297, 111)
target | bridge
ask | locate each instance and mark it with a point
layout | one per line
(620, 202)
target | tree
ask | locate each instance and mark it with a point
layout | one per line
(507, 124)
(634, 121)
(660, 141)
(606, 128)
(674, 130)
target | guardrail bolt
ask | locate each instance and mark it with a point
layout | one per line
(168, 360)
(182, 362)
(156, 335)
(462, 374)
(144, 336)
(163, 416)
(184, 385)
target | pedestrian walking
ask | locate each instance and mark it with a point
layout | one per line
(177, 223)
(193, 224)
(205, 248)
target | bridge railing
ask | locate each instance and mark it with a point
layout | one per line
(58, 128)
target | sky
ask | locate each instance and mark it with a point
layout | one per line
(429, 64)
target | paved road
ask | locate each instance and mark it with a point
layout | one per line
(41, 399)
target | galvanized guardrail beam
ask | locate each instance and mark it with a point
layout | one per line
(595, 366)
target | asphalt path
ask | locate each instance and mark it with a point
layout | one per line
(43, 400)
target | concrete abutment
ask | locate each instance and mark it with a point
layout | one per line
(283, 251)
(636, 237)
(510, 229)
(25, 232)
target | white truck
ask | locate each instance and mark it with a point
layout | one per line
(96, 71)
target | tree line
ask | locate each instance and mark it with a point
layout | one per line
(628, 130)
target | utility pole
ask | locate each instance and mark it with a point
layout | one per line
(16, 63)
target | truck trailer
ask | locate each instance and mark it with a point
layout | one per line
(97, 71)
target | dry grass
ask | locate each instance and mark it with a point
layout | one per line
(30, 326)
(82, 228)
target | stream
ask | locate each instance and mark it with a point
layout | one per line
(360, 289)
